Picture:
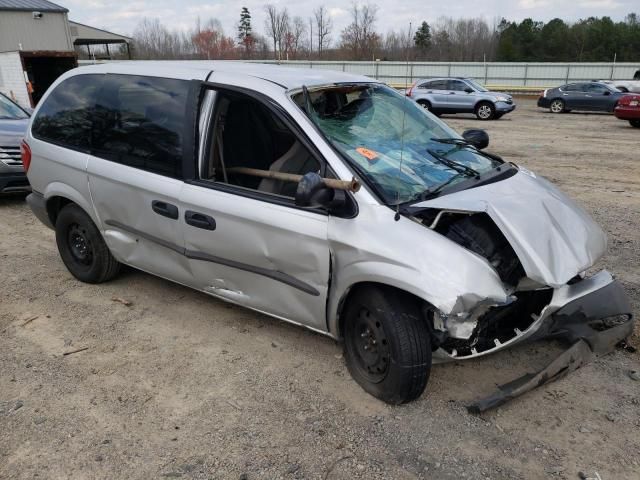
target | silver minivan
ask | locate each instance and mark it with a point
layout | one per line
(321, 198)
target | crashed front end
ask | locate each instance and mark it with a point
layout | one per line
(540, 243)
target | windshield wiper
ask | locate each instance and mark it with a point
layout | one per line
(458, 167)
(452, 141)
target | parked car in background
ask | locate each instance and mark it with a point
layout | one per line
(460, 95)
(584, 96)
(628, 108)
(630, 86)
(13, 124)
(322, 198)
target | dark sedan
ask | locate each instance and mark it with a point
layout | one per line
(13, 125)
(585, 96)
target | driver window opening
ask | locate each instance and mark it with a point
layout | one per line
(248, 142)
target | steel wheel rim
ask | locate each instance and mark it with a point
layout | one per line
(79, 245)
(370, 346)
(556, 106)
(484, 111)
(425, 106)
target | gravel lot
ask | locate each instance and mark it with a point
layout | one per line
(180, 385)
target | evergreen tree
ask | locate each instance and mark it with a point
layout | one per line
(245, 37)
(422, 38)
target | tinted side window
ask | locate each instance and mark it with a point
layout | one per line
(141, 122)
(457, 85)
(595, 88)
(436, 85)
(65, 116)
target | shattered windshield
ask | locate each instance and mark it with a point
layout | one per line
(393, 142)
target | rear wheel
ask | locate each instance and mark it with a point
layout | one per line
(82, 248)
(387, 344)
(557, 106)
(485, 111)
(635, 123)
(425, 104)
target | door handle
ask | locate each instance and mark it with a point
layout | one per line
(452, 93)
(165, 209)
(199, 220)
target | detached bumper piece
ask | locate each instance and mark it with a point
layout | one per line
(593, 324)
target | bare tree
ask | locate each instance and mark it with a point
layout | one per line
(277, 26)
(295, 38)
(324, 25)
(152, 40)
(359, 37)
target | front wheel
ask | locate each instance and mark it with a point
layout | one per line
(82, 248)
(387, 344)
(635, 123)
(557, 106)
(485, 111)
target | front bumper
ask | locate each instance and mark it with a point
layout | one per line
(503, 107)
(593, 323)
(14, 182)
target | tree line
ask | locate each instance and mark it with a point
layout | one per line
(291, 37)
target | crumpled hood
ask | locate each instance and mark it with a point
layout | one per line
(554, 238)
(12, 131)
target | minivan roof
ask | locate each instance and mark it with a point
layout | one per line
(287, 77)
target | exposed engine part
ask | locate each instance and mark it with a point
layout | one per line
(478, 233)
(500, 324)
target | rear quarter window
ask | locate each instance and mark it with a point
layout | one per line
(65, 118)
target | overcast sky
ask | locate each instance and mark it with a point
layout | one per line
(122, 17)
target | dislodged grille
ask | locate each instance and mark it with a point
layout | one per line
(11, 156)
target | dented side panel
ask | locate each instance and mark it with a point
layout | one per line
(264, 256)
(406, 255)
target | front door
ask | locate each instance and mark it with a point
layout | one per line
(245, 239)
(459, 99)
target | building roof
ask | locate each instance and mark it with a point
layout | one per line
(287, 77)
(82, 34)
(31, 6)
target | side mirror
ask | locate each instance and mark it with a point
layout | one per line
(468, 90)
(313, 193)
(607, 92)
(476, 137)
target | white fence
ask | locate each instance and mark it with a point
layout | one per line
(515, 75)
(509, 74)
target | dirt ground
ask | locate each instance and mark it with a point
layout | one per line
(180, 385)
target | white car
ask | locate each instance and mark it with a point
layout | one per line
(321, 198)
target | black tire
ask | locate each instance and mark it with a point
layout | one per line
(635, 123)
(485, 111)
(426, 104)
(557, 106)
(82, 248)
(387, 345)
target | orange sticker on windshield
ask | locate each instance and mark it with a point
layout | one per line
(368, 154)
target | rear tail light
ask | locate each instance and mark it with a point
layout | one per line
(25, 153)
(410, 91)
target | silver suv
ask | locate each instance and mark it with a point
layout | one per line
(321, 198)
(460, 95)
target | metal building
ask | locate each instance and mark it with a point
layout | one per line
(38, 43)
